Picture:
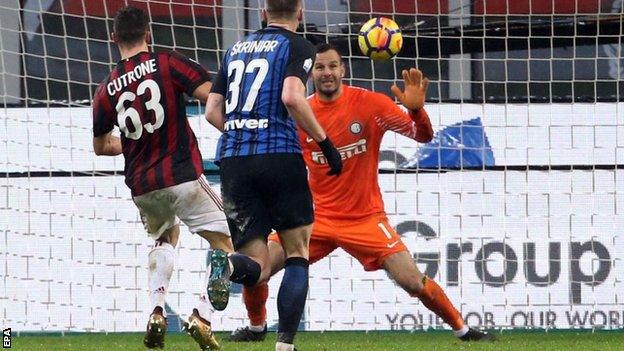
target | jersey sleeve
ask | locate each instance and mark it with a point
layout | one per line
(220, 82)
(301, 59)
(187, 74)
(103, 118)
(390, 116)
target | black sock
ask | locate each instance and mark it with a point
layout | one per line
(246, 271)
(291, 298)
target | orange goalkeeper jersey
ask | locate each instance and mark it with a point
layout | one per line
(355, 123)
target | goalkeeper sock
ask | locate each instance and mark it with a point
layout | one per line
(461, 332)
(291, 298)
(434, 298)
(204, 308)
(255, 301)
(160, 260)
(244, 270)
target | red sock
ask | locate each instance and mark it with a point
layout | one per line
(434, 298)
(255, 299)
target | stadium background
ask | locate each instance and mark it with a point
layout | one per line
(515, 207)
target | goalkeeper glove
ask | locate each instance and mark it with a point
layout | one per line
(334, 160)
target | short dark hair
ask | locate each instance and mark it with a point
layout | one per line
(282, 8)
(130, 25)
(325, 47)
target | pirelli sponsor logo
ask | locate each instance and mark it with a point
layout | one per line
(346, 152)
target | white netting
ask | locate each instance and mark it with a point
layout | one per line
(516, 207)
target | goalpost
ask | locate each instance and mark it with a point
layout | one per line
(515, 208)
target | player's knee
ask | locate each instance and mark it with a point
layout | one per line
(401, 268)
(412, 284)
(169, 236)
(415, 288)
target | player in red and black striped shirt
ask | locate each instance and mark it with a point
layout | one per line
(144, 97)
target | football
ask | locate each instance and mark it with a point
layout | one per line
(380, 38)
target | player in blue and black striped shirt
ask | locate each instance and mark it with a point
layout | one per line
(257, 97)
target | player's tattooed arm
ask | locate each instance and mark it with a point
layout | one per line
(107, 145)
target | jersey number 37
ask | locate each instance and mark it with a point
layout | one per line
(238, 69)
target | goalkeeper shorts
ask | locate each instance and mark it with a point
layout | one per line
(370, 240)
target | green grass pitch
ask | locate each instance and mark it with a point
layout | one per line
(343, 341)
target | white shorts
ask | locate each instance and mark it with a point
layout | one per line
(194, 202)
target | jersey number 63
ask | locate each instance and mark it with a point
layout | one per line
(153, 104)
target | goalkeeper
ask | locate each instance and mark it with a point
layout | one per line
(349, 211)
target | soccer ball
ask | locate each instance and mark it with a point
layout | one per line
(380, 38)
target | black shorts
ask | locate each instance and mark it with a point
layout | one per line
(265, 192)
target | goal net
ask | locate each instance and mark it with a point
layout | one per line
(513, 208)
